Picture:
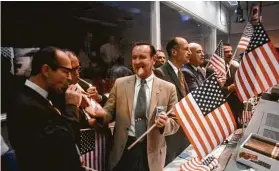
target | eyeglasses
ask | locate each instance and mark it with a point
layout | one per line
(78, 68)
(65, 69)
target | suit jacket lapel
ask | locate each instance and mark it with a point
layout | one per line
(173, 76)
(156, 89)
(195, 73)
(130, 90)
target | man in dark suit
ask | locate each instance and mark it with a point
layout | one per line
(43, 137)
(179, 53)
(194, 74)
(229, 89)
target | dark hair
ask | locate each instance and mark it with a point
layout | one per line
(171, 44)
(152, 48)
(47, 56)
(159, 50)
(227, 44)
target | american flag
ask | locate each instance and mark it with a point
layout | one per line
(205, 117)
(258, 70)
(245, 38)
(93, 149)
(217, 61)
(7, 52)
(194, 164)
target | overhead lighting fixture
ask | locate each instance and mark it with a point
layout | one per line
(239, 14)
(233, 3)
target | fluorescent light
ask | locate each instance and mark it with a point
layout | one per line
(233, 3)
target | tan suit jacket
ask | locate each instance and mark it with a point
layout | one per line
(121, 101)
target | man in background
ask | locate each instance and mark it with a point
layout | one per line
(229, 88)
(194, 74)
(110, 52)
(160, 59)
(178, 53)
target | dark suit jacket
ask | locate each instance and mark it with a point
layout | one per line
(42, 139)
(235, 104)
(177, 142)
(191, 76)
(167, 73)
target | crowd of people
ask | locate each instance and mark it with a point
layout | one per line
(48, 109)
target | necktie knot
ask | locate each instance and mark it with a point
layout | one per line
(142, 82)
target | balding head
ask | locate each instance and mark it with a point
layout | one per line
(197, 56)
(178, 51)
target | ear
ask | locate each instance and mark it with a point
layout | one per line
(154, 59)
(45, 69)
(173, 52)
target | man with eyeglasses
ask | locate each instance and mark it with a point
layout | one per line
(44, 138)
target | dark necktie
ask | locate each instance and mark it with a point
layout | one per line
(140, 111)
(181, 82)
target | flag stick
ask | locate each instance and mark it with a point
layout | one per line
(143, 135)
(245, 110)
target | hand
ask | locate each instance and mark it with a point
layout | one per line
(231, 88)
(161, 120)
(99, 112)
(93, 93)
(221, 81)
(73, 95)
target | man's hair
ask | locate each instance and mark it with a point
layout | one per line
(159, 50)
(47, 56)
(69, 53)
(171, 44)
(227, 44)
(152, 48)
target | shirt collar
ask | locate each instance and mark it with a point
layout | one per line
(35, 87)
(148, 80)
(195, 68)
(173, 67)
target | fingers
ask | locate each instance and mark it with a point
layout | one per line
(161, 120)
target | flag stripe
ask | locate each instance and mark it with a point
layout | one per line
(272, 52)
(215, 125)
(228, 110)
(243, 82)
(219, 125)
(254, 70)
(239, 90)
(247, 79)
(258, 58)
(251, 75)
(272, 59)
(202, 123)
(222, 122)
(219, 63)
(185, 123)
(197, 129)
(260, 51)
(215, 134)
(228, 124)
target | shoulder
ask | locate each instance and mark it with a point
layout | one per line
(164, 83)
(124, 79)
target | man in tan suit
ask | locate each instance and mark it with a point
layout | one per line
(123, 107)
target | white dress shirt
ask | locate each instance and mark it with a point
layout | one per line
(148, 91)
(109, 52)
(174, 68)
(35, 87)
